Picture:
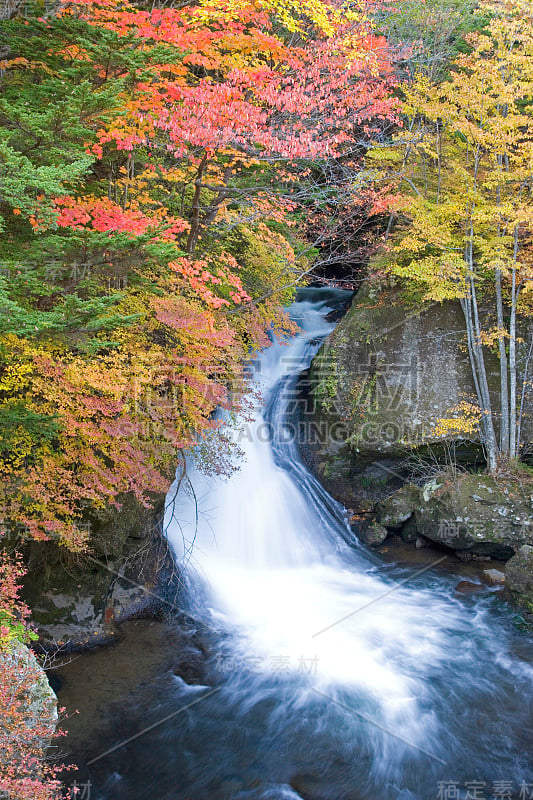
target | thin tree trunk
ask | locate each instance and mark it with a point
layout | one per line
(523, 396)
(504, 383)
(512, 352)
(211, 213)
(470, 342)
(192, 239)
(475, 346)
(480, 383)
(488, 420)
(439, 157)
(129, 177)
(512, 371)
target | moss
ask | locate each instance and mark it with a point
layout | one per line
(70, 590)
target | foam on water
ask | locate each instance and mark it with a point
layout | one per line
(312, 626)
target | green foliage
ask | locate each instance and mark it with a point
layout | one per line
(267, 264)
(15, 416)
(23, 181)
(430, 35)
(16, 630)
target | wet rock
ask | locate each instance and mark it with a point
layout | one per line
(464, 556)
(519, 578)
(409, 531)
(494, 577)
(373, 534)
(421, 543)
(475, 515)
(398, 508)
(467, 587)
(377, 387)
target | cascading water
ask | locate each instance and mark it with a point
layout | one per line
(332, 676)
(353, 690)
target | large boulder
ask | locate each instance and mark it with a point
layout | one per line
(519, 578)
(28, 715)
(475, 515)
(378, 386)
(77, 599)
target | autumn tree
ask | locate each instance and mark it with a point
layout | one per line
(427, 36)
(465, 161)
(28, 712)
(155, 165)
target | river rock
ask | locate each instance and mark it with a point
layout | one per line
(494, 577)
(373, 534)
(519, 578)
(467, 587)
(475, 515)
(398, 508)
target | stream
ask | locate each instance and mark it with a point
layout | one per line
(331, 674)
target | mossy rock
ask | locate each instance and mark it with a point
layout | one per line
(77, 598)
(388, 373)
(473, 514)
(519, 578)
(373, 534)
(394, 512)
(477, 514)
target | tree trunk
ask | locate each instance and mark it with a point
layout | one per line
(469, 306)
(513, 439)
(192, 239)
(523, 396)
(504, 383)
(487, 419)
(513, 444)
(211, 213)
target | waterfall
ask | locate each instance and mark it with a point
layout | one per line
(350, 677)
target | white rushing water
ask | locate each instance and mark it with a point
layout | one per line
(335, 655)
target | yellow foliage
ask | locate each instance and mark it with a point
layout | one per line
(464, 421)
(292, 13)
(15, 377)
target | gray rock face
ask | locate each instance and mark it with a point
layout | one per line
(380, 382)
(30, 687)
(402, 368)
(41, 699)
(494, 577)
(519, 578)
(76, 600)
